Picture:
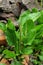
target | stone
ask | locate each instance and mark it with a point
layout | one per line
(26, 1)
(11, 6)
(0, 1)
(16, 9)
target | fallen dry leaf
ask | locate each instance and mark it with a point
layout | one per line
(25, 60)
(4, 61)
(2, 38)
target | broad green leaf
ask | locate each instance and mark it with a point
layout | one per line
(9, 54)
(27, 35)
(40, 19)
(28, 26)
(2, 26)
(18, 34)
(27, 51)
(26, 30)
(42, 52)
(34, 61)
(37, 27)
(16, 63)
(34, 10)
(10, 36)
(32, 16)
(40, 33)
(23, 17)
(37, 41)
(41, 57)
(30, 36)
(10, 25)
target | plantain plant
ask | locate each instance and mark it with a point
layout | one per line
(28, 39)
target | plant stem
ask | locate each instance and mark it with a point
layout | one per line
(20, 37)
(20, 33)
(41, 3)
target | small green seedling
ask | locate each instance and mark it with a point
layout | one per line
(28, 39)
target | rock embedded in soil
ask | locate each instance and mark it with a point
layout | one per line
(16, 9)
(32, 4)
(0, 1)
(26, 1)
(11, 6)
